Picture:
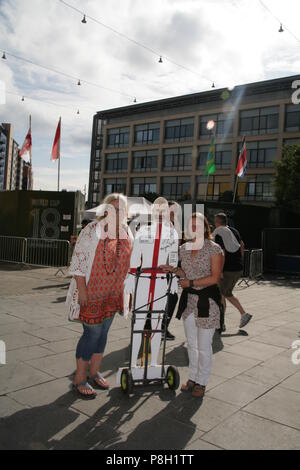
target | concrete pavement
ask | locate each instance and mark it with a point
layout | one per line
(252, 402)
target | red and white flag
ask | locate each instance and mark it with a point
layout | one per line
(56, 145)
(25, 151)
(242, 161)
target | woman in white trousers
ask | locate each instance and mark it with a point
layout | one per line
(201, 267)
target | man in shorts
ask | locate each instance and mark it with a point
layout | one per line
(230, 240)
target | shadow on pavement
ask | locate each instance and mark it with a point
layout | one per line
(54, 426)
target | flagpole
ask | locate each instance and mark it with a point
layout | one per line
(29, 181)
(235, 188)
(212, 134)
(206, 187)
(58, 176)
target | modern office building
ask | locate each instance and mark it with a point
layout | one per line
(14, 171)
(162, 146)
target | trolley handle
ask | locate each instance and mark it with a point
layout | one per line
(140, 271)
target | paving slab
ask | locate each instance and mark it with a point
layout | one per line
(17, 376)
(237, 392)
(45, 394)
(162, 432)
(244, 431)
(20, 340)
(255, 350)
(56, 365)
(27, 353)
(54, 333)
(229, 365)
(292, 383)
(282, 337)
(205, 415)
(280, 405)
(9, 407)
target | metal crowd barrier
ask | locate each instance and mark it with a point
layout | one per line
(12, 249)
(256, 264)
(253, 266)
(35, 251)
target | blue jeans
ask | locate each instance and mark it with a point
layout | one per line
(93, 340)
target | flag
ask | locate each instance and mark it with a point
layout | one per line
(25, 151)
(56, 143)
(210, 163)
(242, 161)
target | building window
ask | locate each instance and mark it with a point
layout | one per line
(116, 162)
(292, 118)
(213, 187)
(179, 130)
(177, 159)
(147, 134)
(259, 121)
(118, 137)
(223, 157)
(144, 161)
(176, 187)
(259, 187)
(115, 185)
(292, 142)
(261, 154)
(95, 198)
(223, 125)
(142, 186)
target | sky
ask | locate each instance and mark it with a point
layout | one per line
(228, 42)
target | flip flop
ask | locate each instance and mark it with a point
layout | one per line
(84, 396)
(96, 384)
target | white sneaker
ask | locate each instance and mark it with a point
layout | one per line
(246, 317)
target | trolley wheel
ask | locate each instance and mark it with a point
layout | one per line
(126, 381)
(173, 378)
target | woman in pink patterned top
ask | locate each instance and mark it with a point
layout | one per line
(201, 267)
(99, 266)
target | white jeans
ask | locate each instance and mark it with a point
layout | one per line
(199, 342)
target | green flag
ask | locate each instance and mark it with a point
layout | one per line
(210, 164)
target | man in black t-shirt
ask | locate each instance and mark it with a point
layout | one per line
(233, 246)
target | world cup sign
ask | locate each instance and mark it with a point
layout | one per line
(2, 353)
(2, 92)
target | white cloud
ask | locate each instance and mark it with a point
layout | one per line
(226, 41)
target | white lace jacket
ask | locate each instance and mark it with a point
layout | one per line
(82, 262)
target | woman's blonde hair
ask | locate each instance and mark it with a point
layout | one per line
(207, 230)
(108, 200)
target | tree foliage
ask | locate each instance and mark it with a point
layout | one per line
(287, 178)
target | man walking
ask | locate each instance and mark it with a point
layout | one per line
(233, 246)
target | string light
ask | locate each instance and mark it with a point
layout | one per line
(277, 19)
(79, 83)
(137, 43)
(84, 20)
(48, 102)
(213, 85)
(67, 75)
(4, 56)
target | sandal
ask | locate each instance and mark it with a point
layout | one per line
(188, 387)
(84, 396)
(198, 391)
(99, 382)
